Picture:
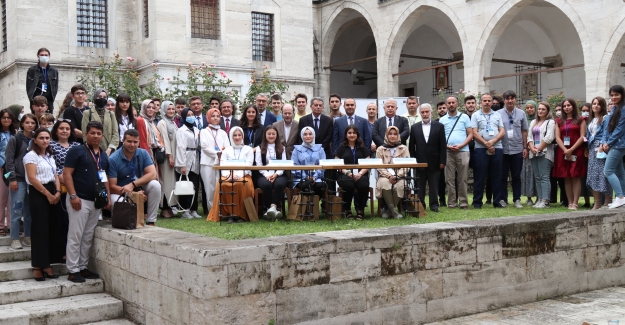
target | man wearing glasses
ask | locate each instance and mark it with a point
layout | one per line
(74, 113)
(514, 148)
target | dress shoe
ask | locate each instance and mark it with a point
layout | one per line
(434, 209)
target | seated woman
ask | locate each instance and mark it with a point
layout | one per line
(308, 153)
(272, 182)
(391, 183)
(237, 181)
(350, 151)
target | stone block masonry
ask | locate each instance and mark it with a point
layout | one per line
(399, 275)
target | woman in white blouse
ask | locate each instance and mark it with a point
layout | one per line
(213, 140)
(539, 139)
(167, 127)
(44, 192)
(188, 161)
(125, 115)
(236, 185)
(272, 182)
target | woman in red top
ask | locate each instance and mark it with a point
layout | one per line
(570, 162)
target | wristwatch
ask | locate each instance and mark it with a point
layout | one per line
(73, 196)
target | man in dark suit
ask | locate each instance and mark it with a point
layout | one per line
(195, 104)
(227, 119)
(391, 119)
(287, 129)
(322, 124)
(427, 144)
(266, 117)
(341, 123)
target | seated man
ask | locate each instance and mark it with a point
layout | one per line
(132, 170)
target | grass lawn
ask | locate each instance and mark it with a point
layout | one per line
(264, 229)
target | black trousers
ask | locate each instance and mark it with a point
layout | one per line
(45, 230)
(441, 188)
(185, 200)
(349, 187)
(555, 184)
(319, 188)
(432, 179)
(273, 193)
(204, 200)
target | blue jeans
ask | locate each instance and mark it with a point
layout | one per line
(19, 207)
(514, 165)
(613, 170)
(487, 165)
(541, 167)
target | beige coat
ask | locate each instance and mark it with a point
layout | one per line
(110, 135)
(384, 173)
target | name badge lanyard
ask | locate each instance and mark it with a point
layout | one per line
(133, 171)
(97, 161)
(44, 85)
(487, 118)
(214, 134)
(250, 137)
(567, 139)
(49, 163)
(354, 154)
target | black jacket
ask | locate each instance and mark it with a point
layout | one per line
(434, 152)
(379, 129)
(34, 76)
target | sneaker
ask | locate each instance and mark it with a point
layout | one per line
(503, 204)
(530, 203)
(278, 215)
(76, 277)
(617, 203)
(174, 210)
(195, 215)
(88, 274)
(539, 204)
(518, 204)
(26, 241)
(386, 214)
(186, 215)
(16, 244)
(271, 212)
(396, 214)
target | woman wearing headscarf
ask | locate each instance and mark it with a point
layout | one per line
(308, 153)
(213, 140)
(110, 134)
(149, 137)
(238, 182)
(167, 127)
(110, 104)
(391, 183)
(528, 184)
(188, 161)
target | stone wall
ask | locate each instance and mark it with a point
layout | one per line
(398, 275)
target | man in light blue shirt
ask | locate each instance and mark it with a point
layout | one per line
(458, 134)
(488, 130)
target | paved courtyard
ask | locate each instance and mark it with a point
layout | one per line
(594, 307)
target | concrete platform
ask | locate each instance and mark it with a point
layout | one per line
(594, 307)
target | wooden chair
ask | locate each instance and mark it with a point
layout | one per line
(371, 199)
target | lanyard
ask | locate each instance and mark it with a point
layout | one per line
(49, 163)
(44, 71)
(97, 161)
(133, 172)
(511, 116)
(567, 124)
(487, 118)
(250, 136)
(354, 154)
(237, 157)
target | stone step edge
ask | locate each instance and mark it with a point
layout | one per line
(20, 270)
(12, 292)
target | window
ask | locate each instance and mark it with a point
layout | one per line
(146, 23)
(4, 26)
(262, 36)
(205, 19)
(92, 23)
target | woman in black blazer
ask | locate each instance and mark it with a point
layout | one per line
(350, 151)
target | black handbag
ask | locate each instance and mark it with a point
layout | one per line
(159, 156)
(124, 215)
(101, 195)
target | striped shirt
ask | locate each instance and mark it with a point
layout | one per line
(46, 167)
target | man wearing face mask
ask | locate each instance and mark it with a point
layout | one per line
(110, 134)
(42, 79)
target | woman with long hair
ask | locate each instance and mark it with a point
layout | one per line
(252, 132)
(614, 144)
(125, 115)
(539, 140)
(237, 181)
(15, 152)
(44, 192)
(596, 180)
(67, 102)
(167, 127)
(272, 182)
(528, 184)
(570, 162)
(7, 122)
(188, 161)
(213, 140)
(391, 184)
(149, 137)
(352, 180)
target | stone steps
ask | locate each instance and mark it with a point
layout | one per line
(6, 240)
(72, 310)
(9, 255)
(11, 271)
(113, 322)
(12, 292)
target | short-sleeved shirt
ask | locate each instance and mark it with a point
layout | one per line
(485, 122)
(459, 133)
(126, 171)
(46, 167)
(517, 122)
(84, 174)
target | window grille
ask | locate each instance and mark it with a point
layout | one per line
(146, 23)
(92, 23)
(262, 37)
(205, 19)
(4, 26)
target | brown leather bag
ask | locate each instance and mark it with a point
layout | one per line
(124, 214)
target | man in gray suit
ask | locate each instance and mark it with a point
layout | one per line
(287, 129)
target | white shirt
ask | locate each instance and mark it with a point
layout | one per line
(351, 119)
(271, 152)
(124, 126)
(426, 130)
(262, 117)
(198, 122)
(229, 119)
(46, 167)
(389, 119)
(287, 131)
(230, 153)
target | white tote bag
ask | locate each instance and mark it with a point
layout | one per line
(183, 188)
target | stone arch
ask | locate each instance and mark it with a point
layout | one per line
(610, 64)
(501, 20)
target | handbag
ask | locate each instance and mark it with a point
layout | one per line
(124, 215)
(183, 188)
(159, 156)
(101, 195)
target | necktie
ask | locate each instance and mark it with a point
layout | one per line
(228, 126)
(351, 120)
(199, 123)
(390, 122)
(316, 124)
(262, 118)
